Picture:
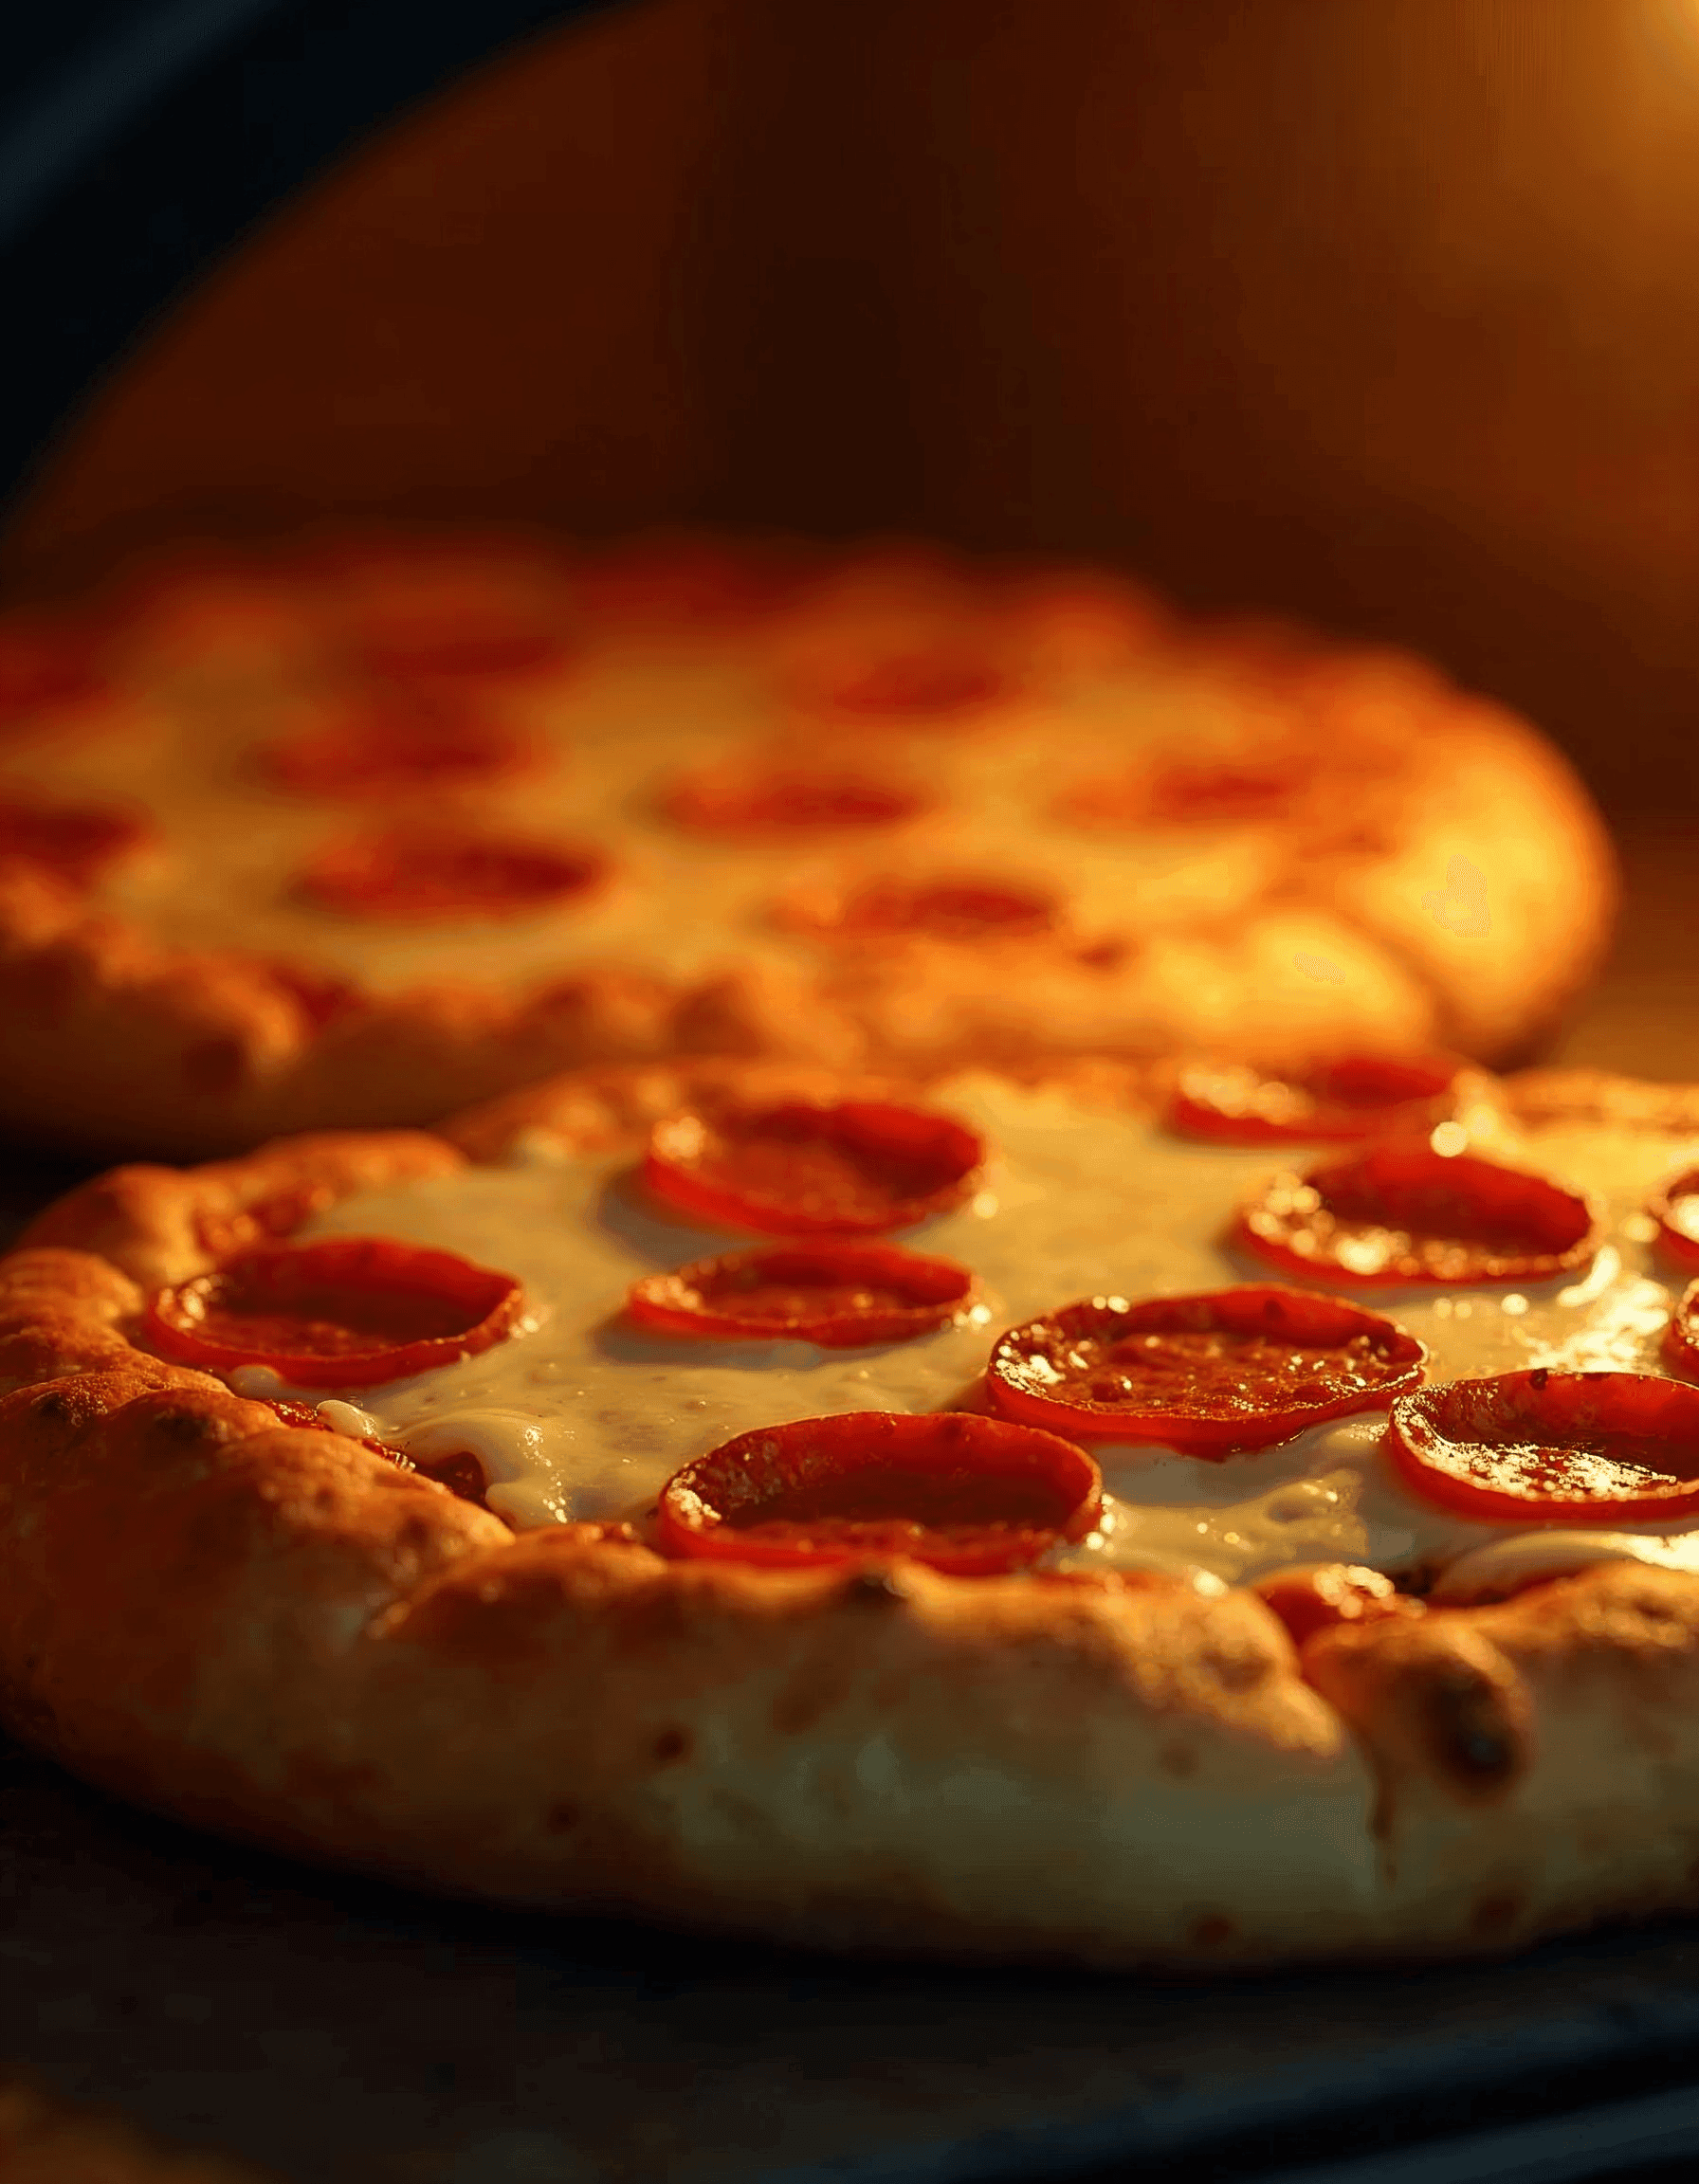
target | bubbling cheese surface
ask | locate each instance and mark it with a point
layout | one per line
(585, 1417)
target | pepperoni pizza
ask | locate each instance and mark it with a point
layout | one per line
(360, 834)
(1147, 1517)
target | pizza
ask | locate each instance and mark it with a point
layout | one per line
(1153, 1516)
(363, 833)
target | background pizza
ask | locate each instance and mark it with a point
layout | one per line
(360, 834)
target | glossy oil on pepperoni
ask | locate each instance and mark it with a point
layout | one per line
(840, 1296)
(1352, 1098)
(972, 1496)
(960, 909)
(341, 1312)
(789, 799)
(78, 841)
(1553, 1448)
(392, 746)
(800, 1168)
(434, 872)
(1675, 1210)
(1209, 1374)
(1401, 1216)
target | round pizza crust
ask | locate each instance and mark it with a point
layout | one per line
(275, 1633)
(1151, 836)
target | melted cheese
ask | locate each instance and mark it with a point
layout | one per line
(613, 732)
(585, 1417)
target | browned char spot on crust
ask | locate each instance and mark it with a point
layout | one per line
(1468, 1727)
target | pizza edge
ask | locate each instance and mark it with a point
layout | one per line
(273, 1632)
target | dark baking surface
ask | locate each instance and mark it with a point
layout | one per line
(338, 2032)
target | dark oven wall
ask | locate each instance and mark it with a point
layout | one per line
(1383, 314)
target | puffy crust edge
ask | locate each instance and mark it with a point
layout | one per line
(358, 1667)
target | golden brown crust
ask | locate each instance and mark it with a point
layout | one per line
(357, 1667)
(1538, 1758)
(162, 1225)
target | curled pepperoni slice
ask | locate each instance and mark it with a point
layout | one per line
(852, 1167)
(787, 800)
(1209, 1374)
(934, 686)
(963, 910)
(1676, 1211)
(1404, 1214)
(1553, 1448)
(389, 746)
(341, 1312)
(79, 841)
(1358, 1097)
(437, 873)
(972, 1496)
(840, 1296)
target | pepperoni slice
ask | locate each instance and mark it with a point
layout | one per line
(852, 1167)
(932, 687)
(389, 745)
(842, 1296)
(437, 873)
(475, 640)
(972, 1496)
(1210, 1375)
(1227, 792)
(787, 800)
(43, 666)
(341, 1312)
(1553, 1448)
(79, 841)
(1676, 1211)
(1405, 1214)
(687, 582)
(1360, 1097)
(964, 910)
(413, 611)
